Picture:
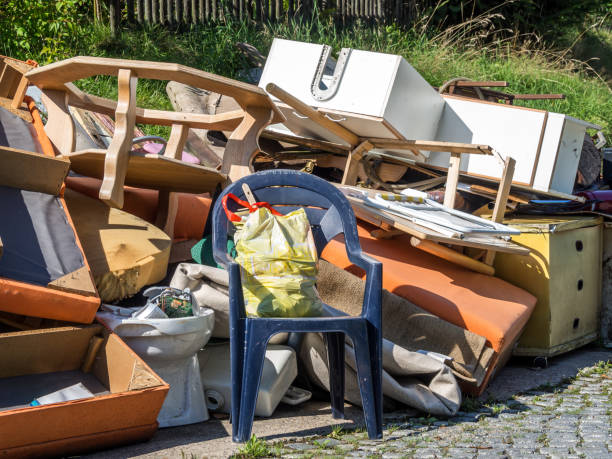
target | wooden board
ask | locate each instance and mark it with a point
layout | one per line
(151, 171)
(22, 112)
(32, 171)
(380, 218)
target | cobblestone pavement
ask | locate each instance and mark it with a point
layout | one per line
(572, 419)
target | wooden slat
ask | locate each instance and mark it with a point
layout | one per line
(426, 145)
(451, 255)
(303, 141)
(314, 115)
(452, 180)
(32, 171)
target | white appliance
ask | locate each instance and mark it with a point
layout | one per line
(279, 371)
(371, 94)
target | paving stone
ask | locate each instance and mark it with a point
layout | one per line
(300, 446)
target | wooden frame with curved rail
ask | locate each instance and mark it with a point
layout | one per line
(117, 166)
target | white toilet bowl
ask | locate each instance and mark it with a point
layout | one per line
(170, 346)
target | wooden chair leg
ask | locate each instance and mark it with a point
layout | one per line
(118, 155)
(243, 143)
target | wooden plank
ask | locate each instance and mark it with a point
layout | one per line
(20, 92)
(451, 255)
(152, 171)
(379, 217)
(502, 199)
(351, 169)
(32, 171)
(56, 75)
(452, 179)
(314, 115)
(303, 141)
(452, 147)
(490, 191)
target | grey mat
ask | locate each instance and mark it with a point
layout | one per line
(19, 391)
(39, 243)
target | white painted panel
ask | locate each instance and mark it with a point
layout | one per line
(568, 157)
(414, 107)
(511, 131)
(548, 152)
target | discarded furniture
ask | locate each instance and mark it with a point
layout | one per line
(563, 272)
(481, 90)
(117, 166)
(124, 252)
(170, 347)
(279, 371)
(127, 393)
(545, 145)
(484, 305)
(43, 269)
(329, 214)
(13, 85)
(364, 92)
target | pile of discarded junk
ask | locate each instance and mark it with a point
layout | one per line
(446, 230)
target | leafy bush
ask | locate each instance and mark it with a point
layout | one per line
(44, 29)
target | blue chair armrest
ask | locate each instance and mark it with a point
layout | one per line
(372, 298)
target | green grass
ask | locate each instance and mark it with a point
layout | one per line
(465, 50)
(254, 448)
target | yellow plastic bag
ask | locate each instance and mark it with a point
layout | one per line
(278, 261)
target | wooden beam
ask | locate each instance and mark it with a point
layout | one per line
(310, 143)
(452, 147)
(502, 199)
(60, 125)
(452, 256)
(313, 115)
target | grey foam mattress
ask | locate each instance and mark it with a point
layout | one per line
(39, 243)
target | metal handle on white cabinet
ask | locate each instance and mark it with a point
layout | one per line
(339, 120)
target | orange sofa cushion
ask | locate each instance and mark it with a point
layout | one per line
(485, 305)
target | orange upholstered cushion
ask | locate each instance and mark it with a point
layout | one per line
(485, 305)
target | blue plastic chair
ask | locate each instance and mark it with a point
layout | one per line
(329, 214)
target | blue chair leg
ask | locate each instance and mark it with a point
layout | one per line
(236, 366)
(375, 345)
(365, 377)
(254, 356)
(335, 358)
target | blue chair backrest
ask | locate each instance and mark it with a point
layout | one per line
(328, 210)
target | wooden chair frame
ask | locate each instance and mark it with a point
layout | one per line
(55, 81)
